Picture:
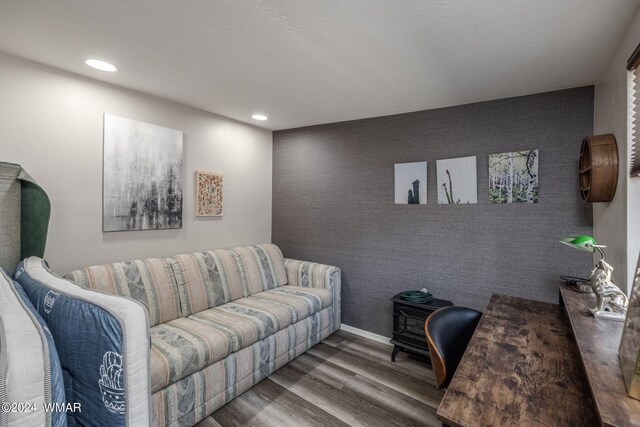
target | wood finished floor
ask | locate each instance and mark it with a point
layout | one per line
(345, 380)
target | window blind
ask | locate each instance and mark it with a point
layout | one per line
(633, 65)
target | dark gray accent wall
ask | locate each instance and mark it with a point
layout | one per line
(333, 202)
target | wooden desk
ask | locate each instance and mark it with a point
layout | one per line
(521, 368)
(598, 342)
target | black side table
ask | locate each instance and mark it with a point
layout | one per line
(408, 325)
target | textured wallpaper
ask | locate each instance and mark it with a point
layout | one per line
(333, 202)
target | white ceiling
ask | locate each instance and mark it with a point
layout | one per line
(305, 62)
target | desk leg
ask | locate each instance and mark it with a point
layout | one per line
(394, 353)
(560, 299)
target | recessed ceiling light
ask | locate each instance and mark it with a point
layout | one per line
(101, 65)
(259, 117)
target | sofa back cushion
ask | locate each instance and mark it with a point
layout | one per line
(150, 281)
(211, 278)
(261, 267)
(206, 279)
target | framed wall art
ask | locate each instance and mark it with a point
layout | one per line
(629, 351)
(410, 183)
(209, 191)
(457, 181)
(142, 176)
(513, 177)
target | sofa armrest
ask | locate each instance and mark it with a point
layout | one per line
(311, 274)
(103, 346)
(314, 275)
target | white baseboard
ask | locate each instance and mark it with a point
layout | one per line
(366, 334)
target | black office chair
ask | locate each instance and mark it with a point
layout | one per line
(449, 330)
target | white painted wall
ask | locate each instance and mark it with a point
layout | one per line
(617, 224)
(51, 122)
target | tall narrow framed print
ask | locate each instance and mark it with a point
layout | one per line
(209, 191)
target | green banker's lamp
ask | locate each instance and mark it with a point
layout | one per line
(611, 301)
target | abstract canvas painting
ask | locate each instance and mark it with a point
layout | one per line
(411, 183)
(209, 186)
(513, 177)
(142, 183)
(457, 181)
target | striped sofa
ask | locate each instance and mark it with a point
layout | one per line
(220, 321)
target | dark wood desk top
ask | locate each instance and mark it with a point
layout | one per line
(598, 341)
(521, 368)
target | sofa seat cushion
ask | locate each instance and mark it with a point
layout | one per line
(251, 319)
(290, 303)
(184, 346)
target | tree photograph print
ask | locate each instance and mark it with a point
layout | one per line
(513, 177)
